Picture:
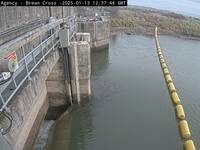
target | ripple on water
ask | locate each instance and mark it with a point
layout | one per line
(130, 106)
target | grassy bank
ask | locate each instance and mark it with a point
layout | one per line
(143, 21)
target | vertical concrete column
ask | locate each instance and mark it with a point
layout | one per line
(74, 72)
(81, 67)
(84, 68)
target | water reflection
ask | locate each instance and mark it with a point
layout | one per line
(74, 131)
(100, 61)
(130, 106)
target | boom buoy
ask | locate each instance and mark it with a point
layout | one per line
(183, 125)
(171, 87)
(180, 112)
(189, 145)
(162, 60)
(164, 65)
(165, 71)
(184, 128)
(168, 78)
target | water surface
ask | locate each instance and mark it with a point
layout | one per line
(130, 106)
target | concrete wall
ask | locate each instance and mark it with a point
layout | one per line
(48, 93)
(58, 89)
(30, 105)
(11, 17)
(48, 87)
(99, 32)
(15, 21)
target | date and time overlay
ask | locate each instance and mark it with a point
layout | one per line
(64, 3)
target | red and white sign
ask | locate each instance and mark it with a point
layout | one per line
(13, 56)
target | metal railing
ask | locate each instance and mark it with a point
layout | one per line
(26, 66)
(30, 62)
(72, 26)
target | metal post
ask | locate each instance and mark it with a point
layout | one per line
(14, 81)
(2, 98)
(52, 37)
(33, 58)
(25, 63)
(43, 51)
(53, 40)
(23, 52)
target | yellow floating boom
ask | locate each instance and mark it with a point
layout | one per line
(171, 87)
(180, 112)
(189, 145)
(183, 125)
(168, 78)
(165, 71)
(184, 128)
(175, 98)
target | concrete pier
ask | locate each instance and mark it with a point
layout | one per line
(99, 31)
(84, 67)
(81, 70)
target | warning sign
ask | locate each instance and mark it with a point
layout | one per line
(13, 57)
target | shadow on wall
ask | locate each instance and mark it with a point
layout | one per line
(99, 60)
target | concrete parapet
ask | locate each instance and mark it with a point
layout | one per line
(83, 37)
(99, 32)
(30, 105)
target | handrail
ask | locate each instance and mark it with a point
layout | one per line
(33, 58)
(18, 42)
(28, 72)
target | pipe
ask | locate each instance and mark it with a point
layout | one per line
(50, 14)
(67, 71)
(7, 65)
(69, 74)
(10, 118)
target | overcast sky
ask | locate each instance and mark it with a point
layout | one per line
(186, 7)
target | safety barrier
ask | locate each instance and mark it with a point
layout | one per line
(30, 60)
(183, 125)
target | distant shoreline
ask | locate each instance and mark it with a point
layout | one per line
(116, 31)
(142, 21)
